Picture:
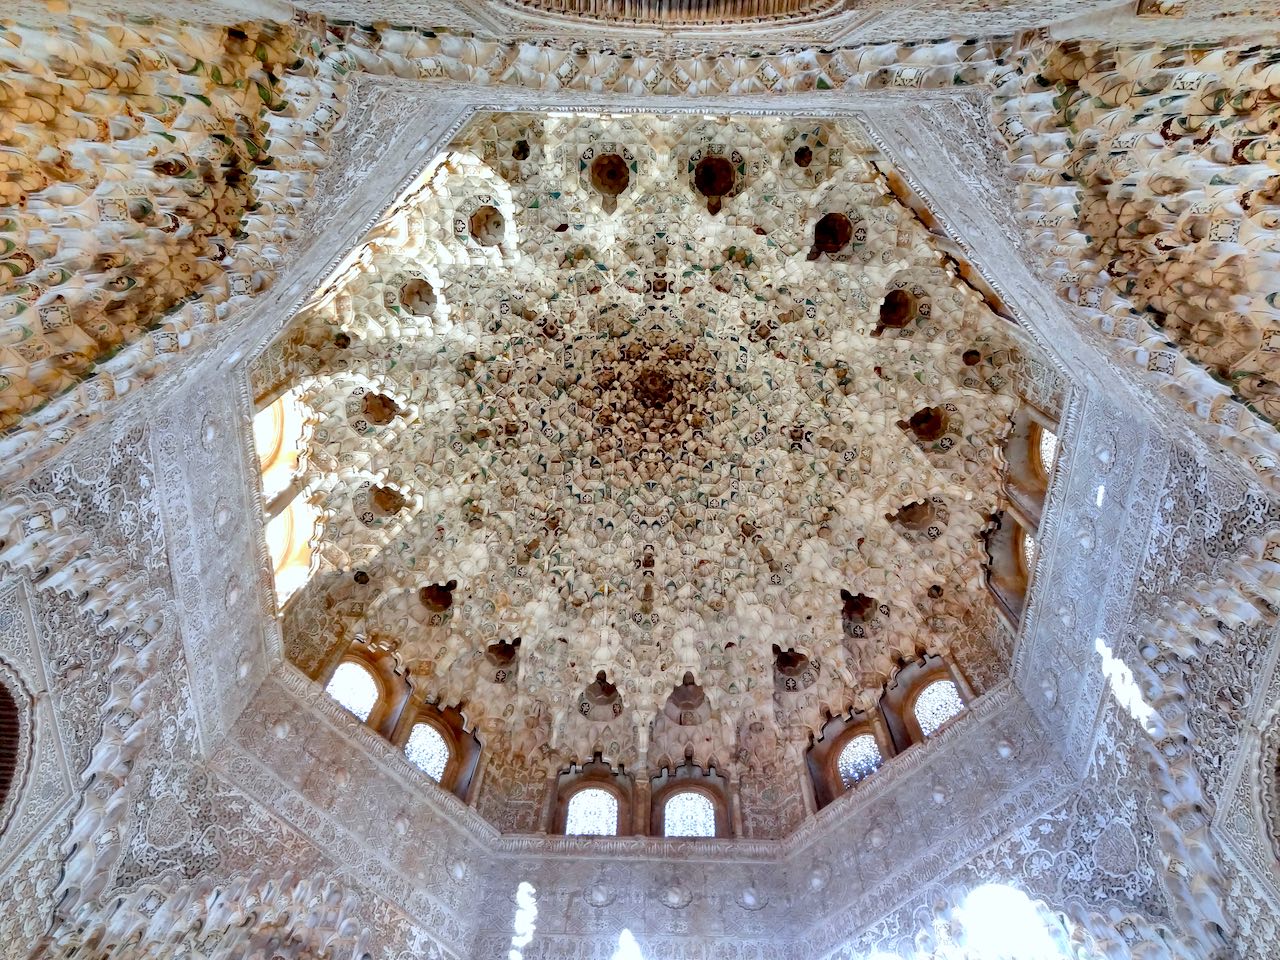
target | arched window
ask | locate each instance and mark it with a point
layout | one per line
(936, 704)
(592, 812)
(689, 813)
(277, 437)
(1029, 547)
(427, 750)
(1047, 450)
(860, 758)
(289, 542)
(10, 737)
(354, 687)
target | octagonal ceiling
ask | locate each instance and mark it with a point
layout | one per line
(664, 398)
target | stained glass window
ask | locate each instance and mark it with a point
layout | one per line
(937, 703)
(592, 813)
(1028, 551)
(859, 758)
(354, 687)
(689, 814)
(427, 750)
(1048, 449)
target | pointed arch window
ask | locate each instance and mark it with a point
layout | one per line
(859, 759)
(1031, 453)
(427, 750)
(592, 812)
(689, 813)
(936, 704)
(355, 688)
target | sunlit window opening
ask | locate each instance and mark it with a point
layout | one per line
(860, 758)
(1048, 450)
(289, 541)
(355, 688)
(1029, 548)
(277, 436)
(689, 814)
(427, 750)
(937, 703)
(592, 813)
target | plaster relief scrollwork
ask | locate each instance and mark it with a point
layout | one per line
(1269, 783)
(97, 612)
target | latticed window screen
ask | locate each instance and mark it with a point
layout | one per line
(689, 814)
(937, 703)
(427, 750)
(592, 813)
(354, 687)
(1029, 546)
(1048, 449)
(859, 758)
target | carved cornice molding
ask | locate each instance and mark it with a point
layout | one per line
(675, 13)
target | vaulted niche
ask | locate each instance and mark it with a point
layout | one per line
(11, 748)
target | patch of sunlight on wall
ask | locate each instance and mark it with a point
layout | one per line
(277, 437)
(525, 921)
(628, 949)
(1001, 923)
(1124, 687)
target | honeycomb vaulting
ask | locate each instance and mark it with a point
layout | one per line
(657, 396)
(137, 198)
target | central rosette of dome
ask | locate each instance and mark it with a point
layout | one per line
(654, 388)
(650, 393)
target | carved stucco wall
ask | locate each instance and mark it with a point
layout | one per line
(1112, 856)
(44, 794)
(153, 817)
(153, 598)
